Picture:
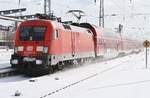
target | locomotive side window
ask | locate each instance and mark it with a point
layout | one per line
(29, 33)
(55, 35)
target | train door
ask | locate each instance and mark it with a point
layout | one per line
(73, 43)
(95, 45)
(100, 47)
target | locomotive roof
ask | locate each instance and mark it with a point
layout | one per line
(77, 27)
(99, 30)
(71, 27)
(56, 25)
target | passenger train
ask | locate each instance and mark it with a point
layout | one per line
(40, 46)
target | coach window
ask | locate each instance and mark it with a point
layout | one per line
(55, 35)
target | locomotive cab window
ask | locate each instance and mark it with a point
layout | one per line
(39, 33)
(29, 33)
(24, 33)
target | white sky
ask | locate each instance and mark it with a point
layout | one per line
(138, 26)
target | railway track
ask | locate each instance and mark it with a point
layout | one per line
(82, 80)
(8, 71)
(12, 72)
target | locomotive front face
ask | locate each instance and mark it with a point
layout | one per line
(31, 44)
(32, 40)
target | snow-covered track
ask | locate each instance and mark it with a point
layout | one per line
(6, 72)
(84, 79)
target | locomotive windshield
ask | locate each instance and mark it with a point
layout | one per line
(32, 33)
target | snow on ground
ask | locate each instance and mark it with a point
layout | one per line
(130, 80)
(124, 77)
(5, 57)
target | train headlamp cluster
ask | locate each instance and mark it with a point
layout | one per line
(42, 49)
(38, 62)
(38, 49)
(18, 48)
(15, 61)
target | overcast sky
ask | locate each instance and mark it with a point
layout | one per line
(126, 10)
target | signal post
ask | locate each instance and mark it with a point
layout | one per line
(146, 44)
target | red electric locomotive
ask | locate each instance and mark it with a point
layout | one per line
(42, 45)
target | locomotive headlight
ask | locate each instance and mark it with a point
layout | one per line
(19, 48)
(16, 49)
(40, 48)
(15, 61)
(38, 62)
(45, 50)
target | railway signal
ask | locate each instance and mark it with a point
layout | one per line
(146, 44)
